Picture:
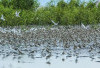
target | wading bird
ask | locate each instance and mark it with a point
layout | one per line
(2, 18)
(17, 14)
(54, 22)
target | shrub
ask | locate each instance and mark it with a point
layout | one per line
(25, 4)
(70, 13)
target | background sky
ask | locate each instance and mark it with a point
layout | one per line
(43, 2)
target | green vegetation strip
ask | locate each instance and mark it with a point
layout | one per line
(72, 13)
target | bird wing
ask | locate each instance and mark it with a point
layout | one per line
(2, 17)
(54, 22)
(16, 13)
(83, 26)
(88, 26)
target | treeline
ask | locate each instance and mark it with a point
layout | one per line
(67, 13)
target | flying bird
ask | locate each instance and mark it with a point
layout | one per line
(17, 14)
(54, 22)
(97, 3)
(2, 18)
(85, 27)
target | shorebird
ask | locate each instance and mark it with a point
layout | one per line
(85, 27)
(17, 14)
(2, 18)
(54, 22)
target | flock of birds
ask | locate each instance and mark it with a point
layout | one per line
(51, 42)
(82, 25)
(16, 14)
(55, 24)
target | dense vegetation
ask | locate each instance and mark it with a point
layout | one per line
(67, 13)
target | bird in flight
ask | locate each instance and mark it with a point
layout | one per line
(85, 27)
(17, 14)
(2, 17)
(97, 3)
(54, 22)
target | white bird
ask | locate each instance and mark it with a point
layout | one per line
(54, 22)
(97, 3)
(2, 18)
(85, 27)
(17, 14)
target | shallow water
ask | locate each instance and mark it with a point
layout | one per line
(83, 62)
